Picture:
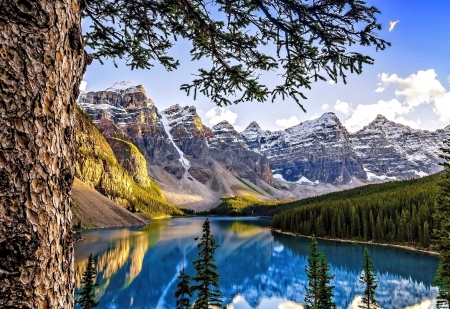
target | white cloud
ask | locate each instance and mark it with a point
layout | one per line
(83, 85)
(331, 82)
(238, 128)
(343, 107)
(392, 24)
(379, 89)
(218, 114)
(419, 88)
(288, 122)
(315, 116)
(325, 106)
(442, 107)
(448, 79)
(363, 114)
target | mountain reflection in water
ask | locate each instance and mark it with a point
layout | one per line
(137, 266)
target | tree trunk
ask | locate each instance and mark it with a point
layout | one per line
(41, 66)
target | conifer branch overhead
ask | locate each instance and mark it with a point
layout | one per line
(310, 41)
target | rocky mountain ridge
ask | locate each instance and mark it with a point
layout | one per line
(322, 150)
(195, 165)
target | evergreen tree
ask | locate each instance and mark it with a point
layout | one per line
(207, 277)
(325, 289)
(369, 279)
(87, 299)
(441, 281)
(312, 272)
(442, 231)
(184, 291)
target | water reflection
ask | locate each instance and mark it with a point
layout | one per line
(137, 267)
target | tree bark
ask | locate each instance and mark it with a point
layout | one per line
(41, 65)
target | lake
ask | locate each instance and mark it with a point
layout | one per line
(137, 267)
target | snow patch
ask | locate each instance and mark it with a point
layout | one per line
(420, 173)
(185, 162)
(278, 176)
(372, 176)
(122, 85)
(305, 180)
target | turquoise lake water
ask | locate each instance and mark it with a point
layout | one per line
(138, 266)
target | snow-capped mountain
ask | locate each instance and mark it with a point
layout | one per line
(389, 149)
(322, 150)
(315, 150)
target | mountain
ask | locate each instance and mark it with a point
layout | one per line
(389, 150)
(194, 165)
(323, 151)
(313, 151)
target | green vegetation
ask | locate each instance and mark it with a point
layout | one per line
(441, 230)
(87, 299)
(319, 292)
(247, 184)
(184, 291)
(208, 294)
(369, 279)
(394, 212)
(207, 277)
(243, 206)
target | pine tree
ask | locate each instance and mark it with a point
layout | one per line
(87, 299)
(441, 281)
(442, 231)
(325, 289)
(369, 279)
(184, 291)
(208, 293)
(312, 272)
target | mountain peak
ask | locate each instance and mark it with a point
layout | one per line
(253, 126)
(223, 126)
(381, 117)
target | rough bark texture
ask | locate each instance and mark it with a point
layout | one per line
(41, 66)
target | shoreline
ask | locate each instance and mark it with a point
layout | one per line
(360, 242)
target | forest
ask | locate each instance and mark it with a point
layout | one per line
(394, 213)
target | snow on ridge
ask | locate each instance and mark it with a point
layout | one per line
(372, 176)
(305, 180)
(184, 162)
(123, 85)
(278, 176)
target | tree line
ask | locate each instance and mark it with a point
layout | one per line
(402, 214)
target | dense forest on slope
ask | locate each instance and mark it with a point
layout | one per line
(394, 212)
(128, 183)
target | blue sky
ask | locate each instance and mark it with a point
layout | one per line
(409, 82)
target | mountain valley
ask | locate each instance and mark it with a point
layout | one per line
(194, 165)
